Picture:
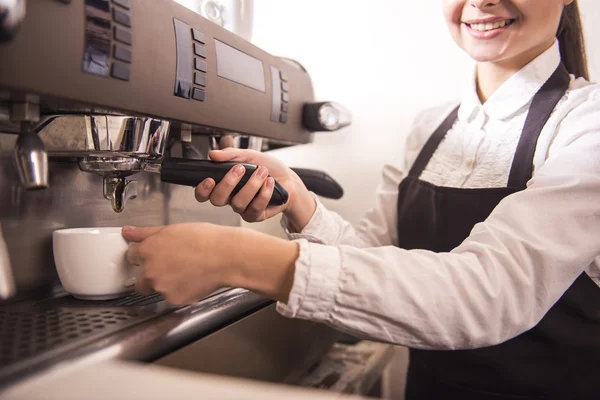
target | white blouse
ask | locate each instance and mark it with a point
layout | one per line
(512, 268)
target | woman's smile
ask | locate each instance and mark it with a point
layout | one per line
(488, 28)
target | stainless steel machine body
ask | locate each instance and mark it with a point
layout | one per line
(110, 88)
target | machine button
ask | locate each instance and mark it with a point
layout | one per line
(122, 35)
(199, 79)
(199, 50)
(283, 118)
(200, 65)
(284, 86)
(285, 97)
(121, 17)
(123, 3)
(284, 107)
(120, 71)
(122, 53)
(198, 36)
(283, 76)
(198, 94)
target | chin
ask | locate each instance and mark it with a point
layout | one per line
(485, 55)
(484, 58)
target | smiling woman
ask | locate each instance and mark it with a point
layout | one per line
(503, 36)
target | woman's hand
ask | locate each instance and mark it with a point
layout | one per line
(251, 202)
(183, 262)
(186, 262)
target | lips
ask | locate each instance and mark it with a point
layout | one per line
(488, 28)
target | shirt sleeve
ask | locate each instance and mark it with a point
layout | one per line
(376, 228)
(496, 285)
(378, 225)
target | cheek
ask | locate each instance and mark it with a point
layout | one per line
(542, 17)
(452, 10)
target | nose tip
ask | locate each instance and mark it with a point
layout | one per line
(484, 3)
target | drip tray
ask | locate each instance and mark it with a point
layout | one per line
(131, 300)
(35, 331)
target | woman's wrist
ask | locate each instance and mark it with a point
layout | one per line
(263, 264)
(301, 211)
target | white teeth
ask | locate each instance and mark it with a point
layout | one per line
(489, 26)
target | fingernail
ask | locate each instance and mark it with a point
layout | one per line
(270, 183)
(238, 170)
(207, 184)
(128, 228)
(263, 172)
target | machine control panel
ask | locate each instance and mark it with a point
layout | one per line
(190, 79)
(154, 59)
(108, 38)
(281, 97)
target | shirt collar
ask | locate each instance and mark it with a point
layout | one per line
(516, 92)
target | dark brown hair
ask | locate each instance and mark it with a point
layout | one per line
(572, 43)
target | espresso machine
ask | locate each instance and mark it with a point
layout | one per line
(107, 101)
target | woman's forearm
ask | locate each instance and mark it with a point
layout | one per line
(263, 264)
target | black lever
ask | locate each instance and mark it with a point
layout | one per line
(191, 172)
(320, 183)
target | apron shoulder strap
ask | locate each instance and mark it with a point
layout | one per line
(432, 144)
(541, 108)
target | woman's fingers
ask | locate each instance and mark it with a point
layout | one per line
(204, 189)
(240, 155)
(255, 211)
(221, 193)
(142, 285)
(245, 196)
(133, 254)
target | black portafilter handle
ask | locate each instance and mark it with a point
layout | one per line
(187, 172)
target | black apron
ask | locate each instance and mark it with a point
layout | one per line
(557, 359)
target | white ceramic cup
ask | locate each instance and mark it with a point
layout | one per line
(92, 262)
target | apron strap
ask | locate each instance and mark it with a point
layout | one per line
(541, 108)
(432, 144)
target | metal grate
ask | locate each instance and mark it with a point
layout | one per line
(64, 321)
(131, 300)
(26, 334)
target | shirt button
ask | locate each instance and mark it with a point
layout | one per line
(469, 162)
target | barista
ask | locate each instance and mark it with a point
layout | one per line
(481, 252)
